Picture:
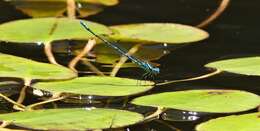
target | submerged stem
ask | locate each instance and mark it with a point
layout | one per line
(156, 114)
(12, 101)
(223, 5)
(89, 46)
(92, 67)
(71, 9)
(27, 83)
(49, 54)
(4, 124)
(123, 59)
(191, 79)
(30, 107)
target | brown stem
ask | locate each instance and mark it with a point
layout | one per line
(123, 59)
(223, 5)
(92, 67)
(4, 124)
(155, 115)
(27, 83)
(91, 43)
(48, 52)
(191, 79)
(12, 101)
(71, 9)
(30, 107)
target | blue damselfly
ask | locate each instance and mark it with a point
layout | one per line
(150, 71)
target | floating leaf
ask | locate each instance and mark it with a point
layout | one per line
(246, 122)
(216, 101)
(72, 119)
(158, 33)
(12, 66)
(94, 85)
(52, 8)
(47, 30)
(245, 66)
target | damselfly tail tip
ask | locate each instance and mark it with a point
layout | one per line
(83, 24)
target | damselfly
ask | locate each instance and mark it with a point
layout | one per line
(148, 68)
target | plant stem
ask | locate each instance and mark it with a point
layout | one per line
(30, 107)
(223, 5)
(27, 83)
(89, 46)
(49, 54)
(191, 79)
(123, 59)
(71, 9)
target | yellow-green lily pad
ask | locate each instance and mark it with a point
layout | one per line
(158, 33)
(215, 101)
(96, 85)
(18, 67)
(244, 66)
(245, 122)
(72, 119)
(47, 30)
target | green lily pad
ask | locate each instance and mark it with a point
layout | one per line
(72, 119)
(215, 101)
(54, 8)
(246, 122)
(158, 33)
(17, 67)
(245, 66)
(94, 85)
(47, 30)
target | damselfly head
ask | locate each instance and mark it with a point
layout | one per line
(155, 70)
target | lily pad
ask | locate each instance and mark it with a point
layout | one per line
(99, 86)
(158, 33)
(52, 8)
(47, 30)
(18, 67)
(245, 66)
(246, 122)
(215, 101)
(72, 119)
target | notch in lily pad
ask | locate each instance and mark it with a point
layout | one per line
(72, 119)
(213, 101)
(47, 30)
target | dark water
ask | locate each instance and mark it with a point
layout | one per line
(234, 34)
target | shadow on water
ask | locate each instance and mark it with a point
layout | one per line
(234, 34)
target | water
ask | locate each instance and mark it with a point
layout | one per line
(234, 34)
